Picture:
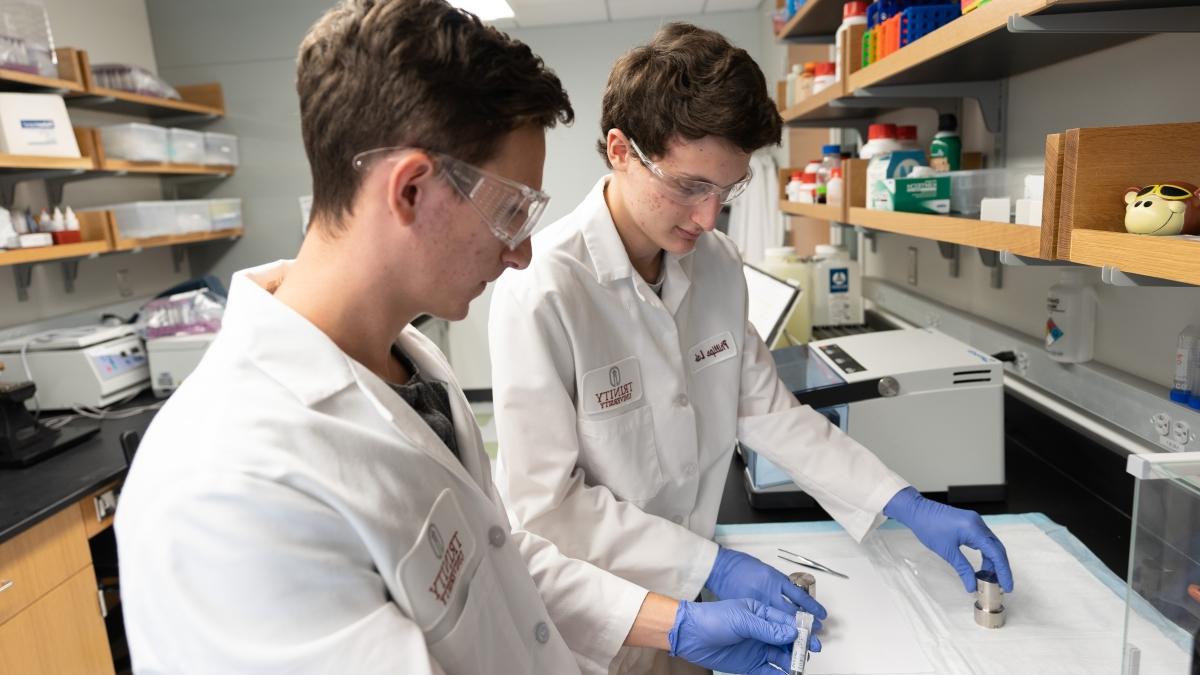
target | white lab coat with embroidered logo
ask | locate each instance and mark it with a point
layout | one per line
(289, 512)
(633, 482)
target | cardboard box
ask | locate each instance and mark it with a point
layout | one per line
(915, 195)
(36, 124)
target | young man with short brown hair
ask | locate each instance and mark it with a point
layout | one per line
(625, 369)
(315, 498)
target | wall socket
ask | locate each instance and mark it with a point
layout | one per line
(912, 265)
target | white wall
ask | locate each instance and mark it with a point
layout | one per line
(1136, 327)
(110, 31)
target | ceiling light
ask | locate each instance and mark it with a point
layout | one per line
(486, 10)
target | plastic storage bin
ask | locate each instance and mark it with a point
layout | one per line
(192, 216)
(1162, 602)
(135, 142)
(968, 188)
(220, 149)
(144, 219)
(185, 146)
(226, 213)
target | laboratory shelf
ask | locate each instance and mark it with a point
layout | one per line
(814, 18)
(125, 244)
(1022, 240)
(979, 46)
(25, 256)
(126, 103)
(821, 107)
(819, 211)
(121, 166)
(1174, 258)
(19, 81)
(10, 164)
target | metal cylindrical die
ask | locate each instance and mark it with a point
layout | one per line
(989, 600)
(805, 581)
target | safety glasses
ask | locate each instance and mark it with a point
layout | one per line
(691, 192)
(1166, 191)
(510, 209)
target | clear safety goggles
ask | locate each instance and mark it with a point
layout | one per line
(690, 192)
(510, 209)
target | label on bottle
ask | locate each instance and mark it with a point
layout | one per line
(1056, 307)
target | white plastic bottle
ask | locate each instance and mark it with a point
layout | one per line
(906, 136)
(881, 139)
(792, 77)
(853, 13)
(794, 187)
(837, 288)
(1186, 354)
(1071, 318)
(834, 188)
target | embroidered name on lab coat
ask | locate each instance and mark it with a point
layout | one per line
(612, 387)
(712, 351)
(434, 571)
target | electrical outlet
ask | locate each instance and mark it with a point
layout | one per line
(124, 286)
(1181, 433)
(1022, 364)
(1162, 424)
(912, 265)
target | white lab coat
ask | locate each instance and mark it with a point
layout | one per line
(281, 514)
(617, 411)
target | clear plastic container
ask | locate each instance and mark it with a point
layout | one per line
(135, 142)
(134, 79)
(226, 214)
(969, 188)
(185, 146)
(26, 42)
(220, 149)
(192, 216)
(144, 219)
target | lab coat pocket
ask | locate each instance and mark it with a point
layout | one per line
(485, 639)
(621, 454)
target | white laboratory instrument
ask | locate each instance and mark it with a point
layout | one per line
(173, 358)
(929, 406)
(88, 366)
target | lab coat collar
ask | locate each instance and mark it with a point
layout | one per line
(610, 260)
(298, 355)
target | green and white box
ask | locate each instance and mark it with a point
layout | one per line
(914, 195)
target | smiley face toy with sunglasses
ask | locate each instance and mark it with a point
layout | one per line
(1163, 209)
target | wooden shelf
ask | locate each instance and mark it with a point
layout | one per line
(124, 166)
(815, 17)
(20, 81)
(817, 108)
(1174, 258)
(175, 239)
(126, 103)
(831, 212)
(978, 46)
(1021, 240)
(23, 256)
(18, 163)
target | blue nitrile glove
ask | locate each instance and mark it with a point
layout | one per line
(737, 575)
(944, 528)
(734, 636)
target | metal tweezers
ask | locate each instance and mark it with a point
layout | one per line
(800, 560)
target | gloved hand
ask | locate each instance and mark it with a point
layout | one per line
(735, 636)
(737, 575)
(944, 528)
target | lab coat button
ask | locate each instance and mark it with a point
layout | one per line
(690, 469)
(496, 536)
(542, 632)
(681, 400)
(678, 520)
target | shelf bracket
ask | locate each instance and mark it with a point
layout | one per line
(950, 252)
(178, 253)
(23, 277)
(1115, 22)
(991, 259)
(1113, 276)
(1013, 260)
(56, 186)
(870, 235)
(8, 182)
(70, 269)
(989, 93)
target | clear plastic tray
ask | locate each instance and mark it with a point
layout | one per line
(226, 213)
(135, 142)
(185, 146)
(220, 149)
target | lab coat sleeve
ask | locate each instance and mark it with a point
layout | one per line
(537, 473)
(849, 481)
(279, 583)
